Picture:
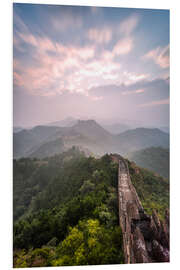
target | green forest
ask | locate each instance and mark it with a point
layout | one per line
(155, 159)
(66, 209)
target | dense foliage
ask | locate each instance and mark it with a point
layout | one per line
(153, 190)
(66, 209)
(69, 213)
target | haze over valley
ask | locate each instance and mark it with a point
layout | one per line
(87, 134)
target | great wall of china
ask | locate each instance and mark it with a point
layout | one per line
(145, 238)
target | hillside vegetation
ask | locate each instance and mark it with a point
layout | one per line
(66, 209)
(153, 190)
(155, 159)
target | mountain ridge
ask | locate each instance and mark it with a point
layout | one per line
(88, 134)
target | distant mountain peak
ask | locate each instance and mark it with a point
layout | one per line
(144, 130)
(87, 122)
(91, 129)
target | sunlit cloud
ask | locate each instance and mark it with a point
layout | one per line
(123, 46)
(107, 55)
(49, 70)
(159, 55)
(57, 68)
(71, 68)
(130, 78)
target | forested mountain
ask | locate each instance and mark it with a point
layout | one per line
(66, 209)
(49, 149)
(25, 140)
(87, 134)
(155, 159)
(140, 138)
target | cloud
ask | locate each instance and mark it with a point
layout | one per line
(100, 35)
(138, 91)
(18, 23)
(57, 68)
(160, 56)
(142, 92)
(17, 78)
(86, 52)
(125, 28)
(155, 103)
(130, 78)
(48, 67)
(28, 38)
(123, 46)
(107, 55)
(129, 24)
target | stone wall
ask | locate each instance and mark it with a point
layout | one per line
(145, 238)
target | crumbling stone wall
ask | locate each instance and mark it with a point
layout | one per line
(145, 238)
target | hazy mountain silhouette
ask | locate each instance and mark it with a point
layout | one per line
(87, 134)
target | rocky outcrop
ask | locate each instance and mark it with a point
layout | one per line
(145, 238)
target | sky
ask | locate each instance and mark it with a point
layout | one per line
(90, 63)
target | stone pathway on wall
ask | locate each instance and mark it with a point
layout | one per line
(145, 238)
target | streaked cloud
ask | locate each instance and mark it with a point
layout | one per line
(155, 103)
(100, 35)
(129, 24)
(138, 91)
(150, 90)
(160, 56)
